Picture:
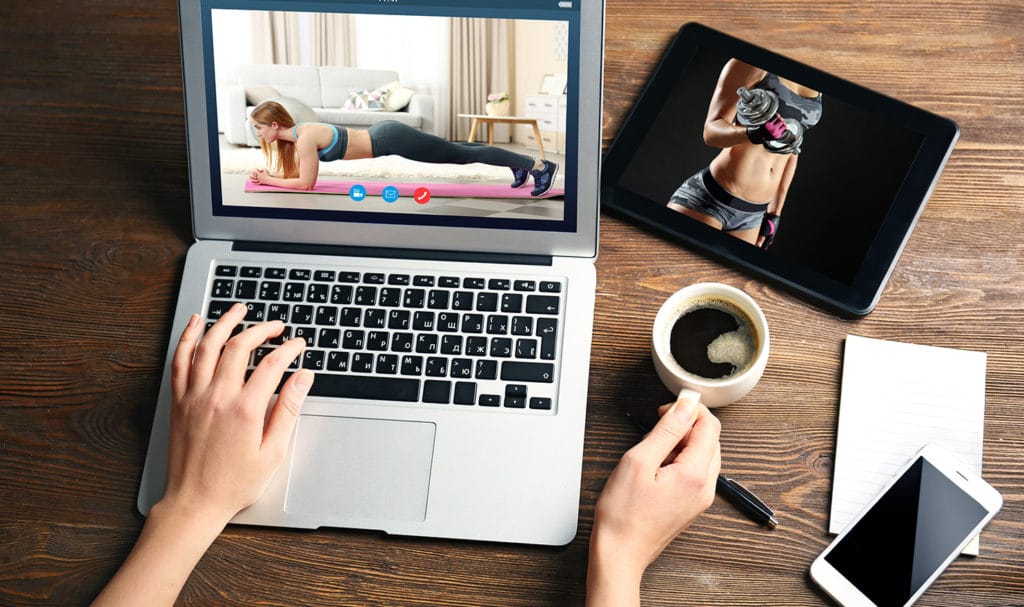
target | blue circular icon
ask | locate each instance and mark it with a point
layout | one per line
(389, 193)
(357, 192)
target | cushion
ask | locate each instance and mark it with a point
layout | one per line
(366, 100)
(255, 95)
(398, 96)
(300, 111)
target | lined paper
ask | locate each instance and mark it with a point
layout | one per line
(897, 397)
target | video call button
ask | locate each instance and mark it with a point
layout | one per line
(357, 193)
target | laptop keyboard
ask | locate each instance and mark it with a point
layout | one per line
(437, 339)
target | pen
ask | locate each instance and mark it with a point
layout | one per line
(735, 493)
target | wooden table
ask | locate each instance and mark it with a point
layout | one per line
(96, 225)
(490, 121)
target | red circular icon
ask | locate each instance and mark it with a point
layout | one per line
(421, 195)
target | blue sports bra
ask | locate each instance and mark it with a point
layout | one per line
(336, 149)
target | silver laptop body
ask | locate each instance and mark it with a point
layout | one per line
(505, 468)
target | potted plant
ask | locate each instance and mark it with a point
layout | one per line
(497, 104)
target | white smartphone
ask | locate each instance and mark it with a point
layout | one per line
(896, 547)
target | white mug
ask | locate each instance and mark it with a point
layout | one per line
(713, 392)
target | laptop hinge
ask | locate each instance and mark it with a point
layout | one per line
(391, 253)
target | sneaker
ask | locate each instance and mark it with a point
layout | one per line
(544, 178)
(520, 176)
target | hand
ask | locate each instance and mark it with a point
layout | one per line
(769, 228)
(224, 447)
(773, 130)
(659, 487)
(258, 176)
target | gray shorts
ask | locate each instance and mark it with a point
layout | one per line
(702, 193)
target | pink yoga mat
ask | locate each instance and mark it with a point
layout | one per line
(450, 190)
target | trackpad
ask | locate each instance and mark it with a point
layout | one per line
(344, 467)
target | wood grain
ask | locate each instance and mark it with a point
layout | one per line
(96, 225)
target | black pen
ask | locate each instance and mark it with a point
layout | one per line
(735, 493)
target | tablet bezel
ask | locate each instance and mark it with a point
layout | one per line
(856, 299)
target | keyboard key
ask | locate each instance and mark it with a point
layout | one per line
(462, 300)
(341, 294)
(487, 302)
(349, 277)
(300, 275)
(524, 285)
(540, 403)
(515, 402)
(226, 271)
(275, 273)
(313, 359)
(337, 361)
(497, 324)
(437, 300)
(398, 279)
(390, 297)
(413, 298)
(375, 318)
(323, 276)
(251, 272)
(387, 364)
(302, 314)
(473, 283)
(547, 329)
(257, 312)
(486, 369)
(498, 284)
(294, 291)
(350, 317)
(550, 287)
(364, 387)
(465, 393)
(270, 290)
(448, 321)
(423, 281)
(246, 289)
(278, 311)
(223, 288)
(329, 339)
(362, 362)
(526, 348)
(522, 325)
(489, 400)
(449, 282)
(373, 278)
(353, 339)
(426, 343)
(437, 366)
(515, 390)
(512, 303)
(451, 344)
(423, 321)
(366, 296)
(317, 293)
(476, 346)
(501, 347)
(525, 371)
(435, 391)
(542, 304)
(399, 319)
(402, 342)
(378, 341)
(461, 368)
(306, 333)
(472, 323)
(412, 365)
(327, 315)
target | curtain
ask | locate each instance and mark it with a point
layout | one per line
(276, 38)
(480, 64)
(334, 39)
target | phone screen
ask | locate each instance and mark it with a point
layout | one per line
(897, 546)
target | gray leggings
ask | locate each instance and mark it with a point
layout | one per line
(393, 137)
(702, 193)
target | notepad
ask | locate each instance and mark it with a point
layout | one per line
(896, 397)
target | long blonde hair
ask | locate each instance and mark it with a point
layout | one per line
(280, 155)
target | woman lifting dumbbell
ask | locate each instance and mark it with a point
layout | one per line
(758, 120)
(294, 152)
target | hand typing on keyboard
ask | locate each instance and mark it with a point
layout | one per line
(223, 450)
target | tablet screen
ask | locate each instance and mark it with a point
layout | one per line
(787, 170)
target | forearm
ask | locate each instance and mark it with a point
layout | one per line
(170, 546)
(721, 134)
(293, 183)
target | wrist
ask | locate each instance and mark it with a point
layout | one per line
(613, 574)
(190, 517)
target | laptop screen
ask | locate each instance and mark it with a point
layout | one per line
(457, 114)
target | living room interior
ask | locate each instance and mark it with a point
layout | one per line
(355, 70)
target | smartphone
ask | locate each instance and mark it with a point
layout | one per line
(909, 534)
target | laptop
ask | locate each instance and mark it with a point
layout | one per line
(448, 316)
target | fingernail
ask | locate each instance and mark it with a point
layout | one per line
(192, 320)
(303, 381)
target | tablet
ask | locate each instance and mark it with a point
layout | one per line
(846, 170)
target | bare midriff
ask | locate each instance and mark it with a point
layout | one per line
(749, 172)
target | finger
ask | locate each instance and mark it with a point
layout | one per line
(284, 415)
(209, 348)
(181, 363)
(234, 360)
(267, 375)
(702, 443)
(670, 430)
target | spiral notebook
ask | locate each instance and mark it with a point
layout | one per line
(896, 397)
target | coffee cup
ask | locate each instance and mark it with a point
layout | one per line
(710, 338)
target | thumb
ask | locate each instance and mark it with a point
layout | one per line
(670, 430)
(286, 411)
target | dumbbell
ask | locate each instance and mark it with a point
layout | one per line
(757, 107)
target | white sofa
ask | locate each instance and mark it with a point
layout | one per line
(324, 89)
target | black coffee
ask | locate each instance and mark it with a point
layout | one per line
(713, 340)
